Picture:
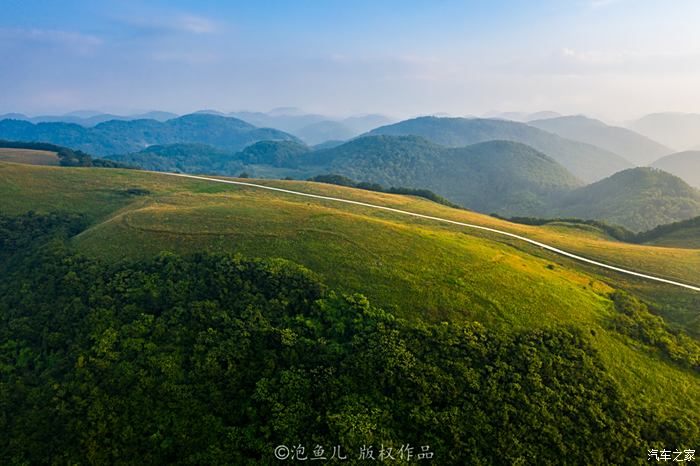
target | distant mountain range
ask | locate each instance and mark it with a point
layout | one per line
(523, 117)
(685, 165)
(120, 137)
(89, 118)
(638, 149)
(314, 129)
(587, 162)
(311, 128)
(681, 131)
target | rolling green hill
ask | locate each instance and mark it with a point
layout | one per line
(685, 165)
(415, 269)
(496, 176)
(122, 137)
(634, 147)
(586, 162)
(638, 199)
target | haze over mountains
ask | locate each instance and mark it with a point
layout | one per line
(634, 147)
(681, 131)
(685, 165)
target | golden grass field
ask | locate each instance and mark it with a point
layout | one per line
(29, 156)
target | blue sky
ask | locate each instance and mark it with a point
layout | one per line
(614, 59)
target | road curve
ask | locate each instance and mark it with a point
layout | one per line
(453, 222)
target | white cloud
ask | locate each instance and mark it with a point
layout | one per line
(188, 23)
(74, 41)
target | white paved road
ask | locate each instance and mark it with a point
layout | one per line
(453, 222)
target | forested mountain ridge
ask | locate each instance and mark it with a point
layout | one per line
(121, 137)
(494, 176)
(639, 199)
(587, 162)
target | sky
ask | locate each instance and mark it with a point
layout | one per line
(611, 59)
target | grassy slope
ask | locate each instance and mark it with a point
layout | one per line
(28, 156)
(411, 265)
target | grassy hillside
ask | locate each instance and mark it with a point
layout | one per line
(29, 156)
(685, 165)
(634, 147)
(639, 199)
(409, 266)
(586, 162)
(121, 137)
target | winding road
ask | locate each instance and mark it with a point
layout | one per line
(453, 222)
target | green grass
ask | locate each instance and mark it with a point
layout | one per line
(413, 267)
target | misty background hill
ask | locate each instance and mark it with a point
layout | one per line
(638, 149)
(685, 165)
(681, 131)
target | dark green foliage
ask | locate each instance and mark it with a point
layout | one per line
(215, 359)
(282, 154)
(202, 158)
(639, 198)
(67, 157)
(339, 180)
(587, 162)
(183, 158)
(136, 192)
(122, 137)
(669, 229)
(637, 322)
(345, 181)
(18, 233)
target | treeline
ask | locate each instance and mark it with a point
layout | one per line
(218, 359)
(345, 181)
(67, 157)
(615, 231)
(668, 229)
